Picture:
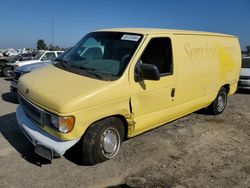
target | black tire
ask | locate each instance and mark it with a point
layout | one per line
(7, 72)
(102, 140)
(219, 104)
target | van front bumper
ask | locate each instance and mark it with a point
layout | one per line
(42, 139)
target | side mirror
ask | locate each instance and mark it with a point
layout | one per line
(149, 72)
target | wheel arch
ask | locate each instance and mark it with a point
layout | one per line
(119, 116)
(227, 87)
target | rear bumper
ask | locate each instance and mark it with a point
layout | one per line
(39, 137)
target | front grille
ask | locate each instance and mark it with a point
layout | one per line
(33, 112)
(245, 77)
(16, 76)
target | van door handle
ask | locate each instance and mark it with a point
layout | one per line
(172, 92)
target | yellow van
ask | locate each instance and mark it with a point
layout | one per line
(117, 83)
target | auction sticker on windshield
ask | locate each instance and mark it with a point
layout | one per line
(131, 37)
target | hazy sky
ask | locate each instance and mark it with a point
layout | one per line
(22, 23)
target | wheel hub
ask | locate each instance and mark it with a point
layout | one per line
(111, 142)
(221, 102)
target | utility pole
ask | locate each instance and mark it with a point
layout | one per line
(52, 31)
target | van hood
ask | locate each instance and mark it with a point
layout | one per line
(63, 92)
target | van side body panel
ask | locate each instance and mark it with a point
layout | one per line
(205, 64)
(202, 65)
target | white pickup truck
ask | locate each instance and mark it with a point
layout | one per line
(41, 56)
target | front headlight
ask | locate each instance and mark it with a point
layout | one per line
(64, 124)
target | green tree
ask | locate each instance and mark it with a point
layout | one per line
(41, 45)
(54, 48)
(248, 50)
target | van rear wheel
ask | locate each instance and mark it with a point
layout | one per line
(102, 140)
(219, 104)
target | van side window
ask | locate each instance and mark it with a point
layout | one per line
(159, 53)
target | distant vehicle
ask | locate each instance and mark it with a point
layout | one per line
(7, 64)
(20, 71)
(11, 52)
(244, 81)
(39, 57)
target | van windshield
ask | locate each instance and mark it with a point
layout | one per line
(102, 55)
(246, 63)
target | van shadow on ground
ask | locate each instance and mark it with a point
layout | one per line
(74, 154)
(120, 186)
(8, 79)
(10, 97)
(12, 133)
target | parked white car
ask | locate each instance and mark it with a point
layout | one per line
(12, 53)
(20, 71)
(41, 56)
(244, 81)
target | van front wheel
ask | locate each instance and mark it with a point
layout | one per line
(220, 102)
(102, 140)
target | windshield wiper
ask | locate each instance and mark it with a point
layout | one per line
(91, 71)
(62, 61)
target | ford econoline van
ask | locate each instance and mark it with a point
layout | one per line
(115, 84)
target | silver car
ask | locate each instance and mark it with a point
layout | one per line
(244, 81)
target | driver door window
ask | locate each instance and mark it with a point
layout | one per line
(159, 53)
